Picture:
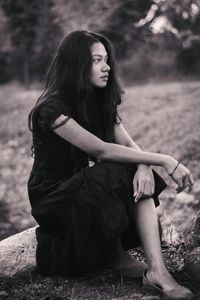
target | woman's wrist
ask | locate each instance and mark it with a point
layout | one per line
(176, 167)
(170, 164)
(143, 166)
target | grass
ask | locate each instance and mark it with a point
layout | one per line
(160, 117)
(165, 118)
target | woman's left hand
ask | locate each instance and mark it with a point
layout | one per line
(143, 182)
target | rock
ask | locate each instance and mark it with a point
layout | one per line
(17, 253)
(192, 265)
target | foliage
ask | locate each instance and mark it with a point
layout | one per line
(184, 17)
(22, 20)
(29, 28)
(30, 32)
(88, 15)
(121, 29)
(5, 45)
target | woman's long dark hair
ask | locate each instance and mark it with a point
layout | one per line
(68, 79)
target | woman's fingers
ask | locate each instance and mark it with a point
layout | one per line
(135, 187)
(180, 189)
(149, 189)
(143, 183)
(185, 184)
(144, 190)
(178, 181)
(152, 188)
(140, 190)
(183, 178)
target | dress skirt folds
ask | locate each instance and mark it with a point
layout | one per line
(82, 218)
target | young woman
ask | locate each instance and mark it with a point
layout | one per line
(92, 190)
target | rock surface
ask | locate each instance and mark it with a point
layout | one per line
(17, 253)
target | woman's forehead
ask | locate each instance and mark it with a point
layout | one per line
(98, 49)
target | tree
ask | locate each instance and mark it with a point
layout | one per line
(184, 17)
(49, 33)
(5, 49)
(22, 20)
(30, 25)
(121, 26)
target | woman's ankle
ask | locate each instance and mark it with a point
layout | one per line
(157, 267)
(162, 278)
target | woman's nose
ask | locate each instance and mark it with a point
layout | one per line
(106, 67)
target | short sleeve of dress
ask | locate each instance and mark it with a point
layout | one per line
(49, 111)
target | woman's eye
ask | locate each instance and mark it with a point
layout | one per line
(98, 60)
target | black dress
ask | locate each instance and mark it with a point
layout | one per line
(81, 211)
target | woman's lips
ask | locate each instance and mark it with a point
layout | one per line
(105, 77)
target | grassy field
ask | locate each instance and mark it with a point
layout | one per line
(160, 117)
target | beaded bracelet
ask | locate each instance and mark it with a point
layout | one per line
(174, 169)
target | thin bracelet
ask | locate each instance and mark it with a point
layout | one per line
(174, 169)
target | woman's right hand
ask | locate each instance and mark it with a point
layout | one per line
(182, 176)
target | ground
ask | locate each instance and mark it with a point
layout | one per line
(160, 117)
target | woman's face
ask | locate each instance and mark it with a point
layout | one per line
(100, 69)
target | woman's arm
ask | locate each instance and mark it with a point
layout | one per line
(143, 181)
(89, 143)
(123, 138)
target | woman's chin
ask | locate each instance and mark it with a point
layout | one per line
(101, 85)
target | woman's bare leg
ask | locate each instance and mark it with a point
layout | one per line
(148, 230)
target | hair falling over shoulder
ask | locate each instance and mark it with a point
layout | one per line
(67, 79)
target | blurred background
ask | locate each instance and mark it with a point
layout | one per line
(157, 45)
(156, 39)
